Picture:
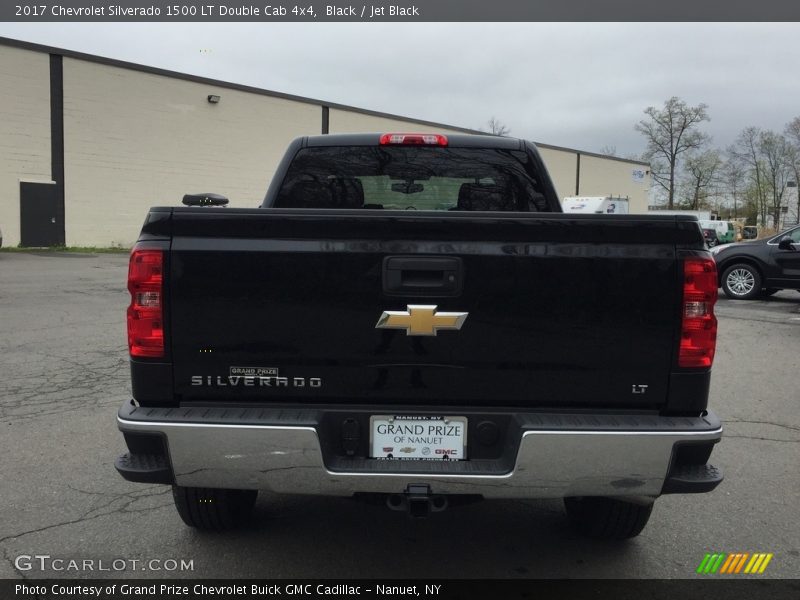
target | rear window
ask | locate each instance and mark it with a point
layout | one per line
(412, 178)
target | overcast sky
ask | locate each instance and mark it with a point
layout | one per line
(577, 85)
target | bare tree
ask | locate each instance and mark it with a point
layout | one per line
(671, 132)
(608, 151)
(792, 133)
(775, 152)
(733, 176)
(497, 128)
(793, 161)
(746, 149)
(702, 170)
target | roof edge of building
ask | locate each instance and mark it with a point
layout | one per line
(113, 62)
(593, 154)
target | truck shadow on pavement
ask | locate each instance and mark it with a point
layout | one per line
(314, 537)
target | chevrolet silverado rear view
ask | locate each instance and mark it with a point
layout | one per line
(411, 317)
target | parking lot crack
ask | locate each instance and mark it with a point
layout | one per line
(127, 500)
(122, 502)
(40, 529)
(765, 439)
(763, 423)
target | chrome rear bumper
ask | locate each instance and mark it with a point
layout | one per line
(585, 455)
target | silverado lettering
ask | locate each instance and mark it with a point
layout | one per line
(253, 380)
(472, 339)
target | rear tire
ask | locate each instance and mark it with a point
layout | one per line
(607, 518)
(213, 509)
(741, 282)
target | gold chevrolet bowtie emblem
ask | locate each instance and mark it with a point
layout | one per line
(421, 320)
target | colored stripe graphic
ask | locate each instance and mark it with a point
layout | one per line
(703, 563)
(754, 563)
(718, 562)
(764, 564)
(734, 563)
(741, 562)
(728, 564)
(759, 562)
(711, 562)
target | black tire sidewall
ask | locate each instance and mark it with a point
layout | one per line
(213, 509)
(607, 518)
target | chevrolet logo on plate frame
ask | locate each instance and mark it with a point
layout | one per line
(421, 319)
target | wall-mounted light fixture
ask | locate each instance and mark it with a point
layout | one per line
(212, 99)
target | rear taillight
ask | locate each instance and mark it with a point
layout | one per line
(145, 314)
(413, 139)
(699, 325)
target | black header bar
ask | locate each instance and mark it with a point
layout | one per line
(743, 588)
(413, 11)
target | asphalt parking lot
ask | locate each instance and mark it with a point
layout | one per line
(64, 374)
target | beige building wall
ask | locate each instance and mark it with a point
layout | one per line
(24, 130)
(562, 166)
(345, 121)
(608, 177)
(133, 140)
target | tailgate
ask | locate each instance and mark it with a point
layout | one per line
(557, 311)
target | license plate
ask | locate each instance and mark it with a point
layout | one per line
(403, 437)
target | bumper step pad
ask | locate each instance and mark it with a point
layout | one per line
(692, 479)
(145, 468)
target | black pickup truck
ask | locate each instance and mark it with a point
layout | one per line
(410, 317)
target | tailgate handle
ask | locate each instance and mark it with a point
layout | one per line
(422, 276)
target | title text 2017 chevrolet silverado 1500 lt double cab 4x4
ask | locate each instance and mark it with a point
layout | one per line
(411, 317)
